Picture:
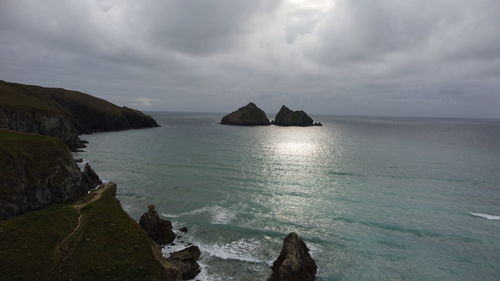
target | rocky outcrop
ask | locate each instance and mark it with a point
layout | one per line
(287, 117)
(37, 171)
(186, 262)
(158, 229)
(294, 262)
(249, 115)
(63, 113)
(41, 122)
(89, 178)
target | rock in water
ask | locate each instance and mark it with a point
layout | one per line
(294, 262)
(186, 261)
(287, 117)
(89, 178)
(158, 229)
(249, 115)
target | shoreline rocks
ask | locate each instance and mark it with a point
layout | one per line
(294, 262)
(186, 261)
(159, 230)
(89, 178)
(249, 115)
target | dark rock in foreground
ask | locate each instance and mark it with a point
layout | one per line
(287, 117)
(158, 229)
(89, 178)
(249, 115)
(294, 262)
(186, 262)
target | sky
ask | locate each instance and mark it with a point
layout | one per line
(433, 58)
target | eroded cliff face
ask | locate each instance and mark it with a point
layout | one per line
(40, 122)
(36, 171)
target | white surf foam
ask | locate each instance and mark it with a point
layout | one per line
(237, 250)
(218, 214)
(486, 216)
(204, 275)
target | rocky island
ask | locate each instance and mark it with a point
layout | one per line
(249, 115)
(288, 117)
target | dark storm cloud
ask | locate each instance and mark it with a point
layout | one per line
(386, 57)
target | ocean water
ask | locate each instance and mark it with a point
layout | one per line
(374, 198)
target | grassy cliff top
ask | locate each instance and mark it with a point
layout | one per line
(53, 99)
(31, 151)
(93, 239)
(88, 113)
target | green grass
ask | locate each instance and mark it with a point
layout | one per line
(108, 246)
(27, 242)
(112, 246)
(86, 112)
(26, 158)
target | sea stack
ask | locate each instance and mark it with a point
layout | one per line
(294, 262)
(288, 117)
(249, 115)
(159, 230)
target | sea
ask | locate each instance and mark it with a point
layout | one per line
(373, 198)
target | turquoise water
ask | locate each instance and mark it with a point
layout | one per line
(374, 198)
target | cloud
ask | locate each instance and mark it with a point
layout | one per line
(387, 57)
(145, 101)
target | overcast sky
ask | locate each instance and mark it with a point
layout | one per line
(341, 57)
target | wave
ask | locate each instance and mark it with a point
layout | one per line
(486, 216)
(240, 250)
(218, 214)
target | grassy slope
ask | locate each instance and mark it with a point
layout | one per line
(87, 112)
(27, 242)
(112, 246)
(109, 245)
(36, 151)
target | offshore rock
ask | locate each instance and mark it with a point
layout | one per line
(158, 229)
(294, 262)
(287, 117)
(249, 115)
(186, 261)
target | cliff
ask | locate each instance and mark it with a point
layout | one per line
(36, 171)
(63, 113)
(249, 115)
(287, 117)
(91, 239)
